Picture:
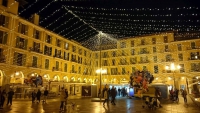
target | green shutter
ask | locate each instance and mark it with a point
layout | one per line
(17, 41)
(7, 22)
(15, 58)
(25, 44)
(5, 36)
(24, 60)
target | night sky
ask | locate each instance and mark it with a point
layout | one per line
(81, 20)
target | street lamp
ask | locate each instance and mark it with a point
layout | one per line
(172, 67)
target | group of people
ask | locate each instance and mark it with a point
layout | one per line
(36, 95)
(107, 93)
(4, 95)
(63, 98)
(174, 94)
(122, 92)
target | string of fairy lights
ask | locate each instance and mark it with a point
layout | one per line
(51, 16)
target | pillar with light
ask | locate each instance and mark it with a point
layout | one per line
(100, 72)
(173, 68)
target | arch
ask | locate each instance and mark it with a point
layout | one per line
(46, 77)
(17, 77)
(65, 79)
(85, 80)
(79, 79)
(4, 79)
(56, 78)
(72, 79)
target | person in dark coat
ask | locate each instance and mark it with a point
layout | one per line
(10, 97)
(46, 92)
(3, 98)
(113, 95)
(33, 96)
(0, 98)
(38, 95)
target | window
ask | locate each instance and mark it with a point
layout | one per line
(85, 53)
(123, 53)
(195, 67)
(80, 51)
(193, 45)
(165, 39)
(66, 56)
(132, 51)
(23, 29)
(21, 43)
(155, 59)
(114, 71)
(113, 62)
(132, 43)
(5, 3)
(4, 21)
(47, 50)
(180, 57)
(58, 42)
(96, 55)
(133, 69)
(74, 49)
(57, 53)
(48, 39)
(34, 62)
(142, 41)
(66, 46)
(57, 65)
(182, 69)
(133, 60)
(166, 48)
(65, 68)
(19, 59)
(123, 44)
(36, 47)
(154, 49)
(179, 47)
(46, 63)
(114, 54)
(194, 56)
(105, 62)
(36, 34)
(123, 71)
(3, 37)
(79, 70)
(153, 40)
(168, 58)
(2, 57)
(156, 69)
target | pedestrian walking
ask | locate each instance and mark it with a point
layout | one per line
(105, 96)
(3, 98)
(38, 95)
(158, 96)
(46, 92)
(184, 94)
(113, 95)
(62, 98)
(10, 96)
(33, 96)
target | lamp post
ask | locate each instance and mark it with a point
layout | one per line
(101, 71)
(172, 67)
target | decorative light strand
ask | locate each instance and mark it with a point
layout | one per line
(50, 15)
(46, 6)
(63, 23)
(74, 29)
(28, 7)
(69, 27)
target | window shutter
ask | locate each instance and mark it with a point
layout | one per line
(24, 60)
(25, 44)
(15, 58)
(7, 22)
(5, 36)
(17, 41)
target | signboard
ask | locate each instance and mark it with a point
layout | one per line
(86, 91)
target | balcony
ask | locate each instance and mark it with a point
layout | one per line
(74, 60)
(142, 62)
(194, 58)
(143, 52)
(34, 66)
(37, 50)
(58, 56)
(195, 70)
(123, 63)
(2, 59)
(56, 69)
(133, 62)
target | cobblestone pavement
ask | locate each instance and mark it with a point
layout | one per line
(84, 105)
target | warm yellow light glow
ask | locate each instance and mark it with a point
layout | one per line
(17, 73)
(32, 74)
(45, 76)
(102, 71)
(156, 78)
(169, 78)
(64, 77)
(167, 67)
(172, 66)
(55, 77)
